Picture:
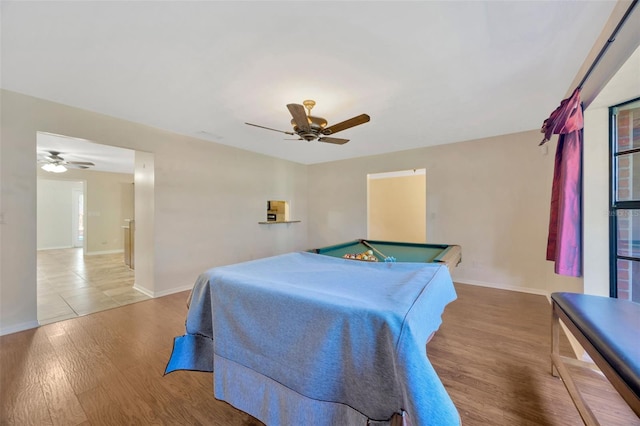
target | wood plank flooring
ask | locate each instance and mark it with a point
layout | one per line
(492, 355)
(71, 284)
(491, 352)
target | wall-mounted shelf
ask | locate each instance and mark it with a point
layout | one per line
(273, 222)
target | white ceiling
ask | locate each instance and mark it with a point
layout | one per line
(427, 73)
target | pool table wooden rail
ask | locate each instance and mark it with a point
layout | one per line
(450, 255)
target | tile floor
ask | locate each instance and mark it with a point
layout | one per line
(71, 284)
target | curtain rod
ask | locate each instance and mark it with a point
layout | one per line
(611, 39)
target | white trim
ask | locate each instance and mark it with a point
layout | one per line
(401, 173)
(154, 294)
(174, 290)
(505, 287)
(142, 290)
(55, 248)
(19, 327)
(92, 253)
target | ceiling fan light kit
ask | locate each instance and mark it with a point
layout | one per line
(54, 168)
(309, 128)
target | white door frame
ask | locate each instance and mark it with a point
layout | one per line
(75, 217)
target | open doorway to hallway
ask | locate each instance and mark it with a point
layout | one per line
(83, 215)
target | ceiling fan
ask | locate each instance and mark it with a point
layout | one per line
(53, 162)
(310, 128)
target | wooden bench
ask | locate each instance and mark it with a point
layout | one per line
(609, 331)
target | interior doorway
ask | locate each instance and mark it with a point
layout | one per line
(82, 212)
(397, 206)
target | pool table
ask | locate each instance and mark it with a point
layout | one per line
(450, 255)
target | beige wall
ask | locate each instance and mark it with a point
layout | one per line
(491, 196)
(109, 201)
(203, 202)
(397, 209)
(208, 199)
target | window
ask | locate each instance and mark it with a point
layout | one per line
(625, 200)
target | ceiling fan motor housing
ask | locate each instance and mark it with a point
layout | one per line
(317, 124)
(308, 136)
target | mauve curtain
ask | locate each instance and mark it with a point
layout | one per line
(564, 244)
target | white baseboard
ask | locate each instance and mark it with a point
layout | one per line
(18, 327)
(55, 248)
(92, 253)
(505, 287)
(142, 290)
(155, 294)
(174, 290)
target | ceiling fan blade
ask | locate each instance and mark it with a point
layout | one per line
(80, 163)
(347, 124)
(269, 128)
(299, 116)
(75, 166)
(337, 141)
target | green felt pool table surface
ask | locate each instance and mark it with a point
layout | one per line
(401, 251)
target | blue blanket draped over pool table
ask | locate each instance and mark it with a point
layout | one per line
(330, 329)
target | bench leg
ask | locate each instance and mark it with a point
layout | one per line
(559, 369)
(555, 340)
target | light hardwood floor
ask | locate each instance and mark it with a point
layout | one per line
(71, 284)
(491, 352)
